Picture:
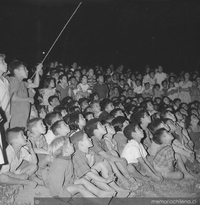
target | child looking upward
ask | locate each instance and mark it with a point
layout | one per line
(164, 160)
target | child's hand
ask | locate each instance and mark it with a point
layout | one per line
(90, 158)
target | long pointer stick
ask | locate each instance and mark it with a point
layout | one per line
(59, 35)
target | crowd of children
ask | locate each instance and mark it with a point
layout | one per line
(100, 133)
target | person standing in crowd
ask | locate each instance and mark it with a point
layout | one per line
(20, 101)
(160, 76)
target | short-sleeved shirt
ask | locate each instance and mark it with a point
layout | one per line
(152, 150)
(59, 176)
(13, 162)
(132, 151)
(81, 166)
(19, 110)
(164, 155)
(97, 148)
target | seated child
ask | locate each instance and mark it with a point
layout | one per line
(96, 109)
(107, 107)
(49, 120)
(53, 102)
(135, 153)
(36, 130)
(85, 165)
(22, 161)
(60, 128)
(96, 131)
(119, 123)
(60, 179)
(164, 160)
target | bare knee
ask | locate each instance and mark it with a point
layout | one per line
(180, 175)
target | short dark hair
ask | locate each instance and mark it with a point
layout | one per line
(129, 129)
(12, 134)
(90, 126)
(50, 99)
(14, 65)
(158, 136)
(50, 117)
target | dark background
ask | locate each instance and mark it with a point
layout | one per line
(133, 33)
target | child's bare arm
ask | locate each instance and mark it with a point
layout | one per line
(33, 155)
(112, 158)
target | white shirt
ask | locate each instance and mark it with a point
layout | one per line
(160, 77)
(132, 151)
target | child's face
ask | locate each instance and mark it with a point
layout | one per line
(96, 107)
(40, 127)
(194, 119)
(86, 142)
(64, 129)
(138, 133)
(146, 118)
(84, 105)
(150, 106)
(119, 113)
(138, 83)
(68, 148)
(22, 70)
(101, 129)
(179, 116)
(157, 88)
(90, 116)
(82, 120)
(171, 125)
(21, 138)
(171, 116)
(168, 137)
(166, 101)
(147, 86)
(101, 79)
(3, 65)
(42, 113)
(55, 102)
(110, 107)
(110, 129)
(64, 80)
(165, 85)
(84, 80)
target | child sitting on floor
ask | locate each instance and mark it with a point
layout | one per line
(85, 165)
(96, 131)
(60, 179)
(164, 160)
(135, 153)
(22, 161)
